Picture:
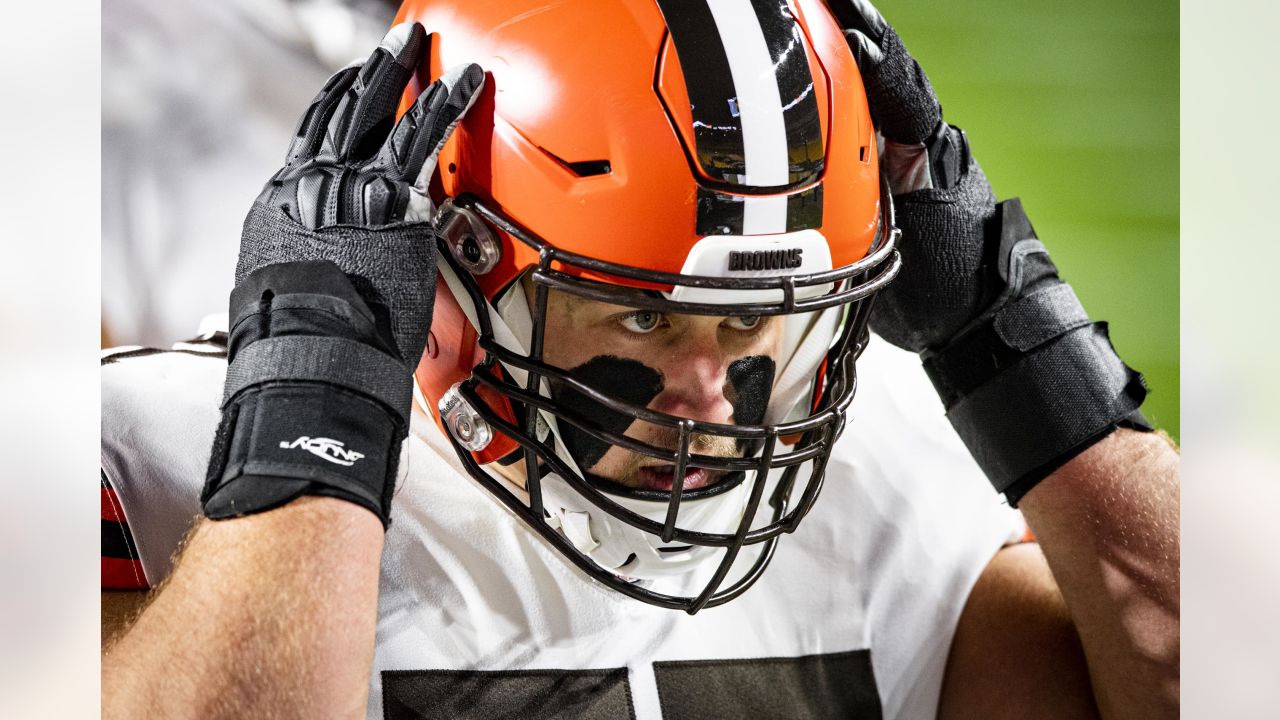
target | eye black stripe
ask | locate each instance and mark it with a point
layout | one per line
(717, 129)
(795, 78)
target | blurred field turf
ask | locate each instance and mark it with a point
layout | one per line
(1074, 108)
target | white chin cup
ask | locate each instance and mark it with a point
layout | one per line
(610, 542)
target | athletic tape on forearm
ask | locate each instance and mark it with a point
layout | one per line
(346, 363)
(1034, 414)
(1037, 318)
(1016, 329)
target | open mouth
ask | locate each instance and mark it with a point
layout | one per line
(662, 477)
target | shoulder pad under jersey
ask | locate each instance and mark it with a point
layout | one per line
(159, 413)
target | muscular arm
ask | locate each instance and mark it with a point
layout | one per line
(119, 608)
(271, 613)
(1108, 524)
(287, 602)
(1016, 654)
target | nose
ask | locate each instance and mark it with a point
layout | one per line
(696, 377)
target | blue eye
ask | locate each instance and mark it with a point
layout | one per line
(746, 322)
(642, 321)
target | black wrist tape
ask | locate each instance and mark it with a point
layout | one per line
(1016, 329)
(337, 362)
(280, 441)
(1031, 382)
(1044, 409)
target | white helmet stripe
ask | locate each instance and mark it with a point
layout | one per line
(764, 132)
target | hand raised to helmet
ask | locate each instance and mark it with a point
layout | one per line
(334, 291)
(942, 199)
(347, 164)
(353, 189)
(1027, 380)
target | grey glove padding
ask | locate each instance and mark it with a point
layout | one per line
(392, 267)
(940, 289)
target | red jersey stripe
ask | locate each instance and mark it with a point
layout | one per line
(121, 574)
(111, 509)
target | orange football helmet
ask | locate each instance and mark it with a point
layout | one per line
(711, 157)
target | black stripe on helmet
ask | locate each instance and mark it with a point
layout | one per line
(722, 213)
(804, 209)
(719, 213)
(785, 40)
(717, 128)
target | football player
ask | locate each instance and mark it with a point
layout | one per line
(531, 419)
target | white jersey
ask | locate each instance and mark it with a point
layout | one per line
(479, 617)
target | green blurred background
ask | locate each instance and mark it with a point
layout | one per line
(1074, 108)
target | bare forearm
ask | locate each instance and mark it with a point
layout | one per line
(266, 616)
(1108, 524)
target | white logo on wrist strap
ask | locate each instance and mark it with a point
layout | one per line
(332, 450)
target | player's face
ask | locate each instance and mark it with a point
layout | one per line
(705, 368)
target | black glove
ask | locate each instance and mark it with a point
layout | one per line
(334, 290)
(1027, 380)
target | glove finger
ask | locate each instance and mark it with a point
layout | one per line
(429, 125)
(367, 111)
(398, 154)
(904, 106)
(861, 16)
(865, 51)
(309, 133)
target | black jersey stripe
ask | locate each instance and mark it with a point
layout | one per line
(117, 542)
(526, 694)
(786, 43)
(835, 685)
(717, 126)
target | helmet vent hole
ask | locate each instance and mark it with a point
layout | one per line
(590, 168)
(862, 154)
(585, 168)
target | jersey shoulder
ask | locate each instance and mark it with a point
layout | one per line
(159, 413)
(923, 520)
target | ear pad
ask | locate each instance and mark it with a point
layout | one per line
(629, 380)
